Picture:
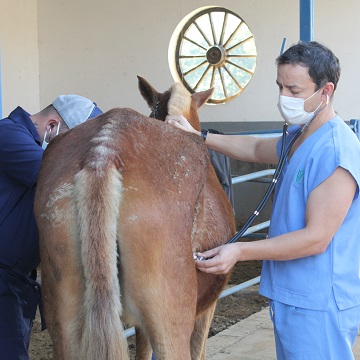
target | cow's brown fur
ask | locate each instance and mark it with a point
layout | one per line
(122, 202)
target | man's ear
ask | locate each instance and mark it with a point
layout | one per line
(52, 125)
(328, 89)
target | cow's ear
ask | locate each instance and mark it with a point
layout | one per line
(200, 98)
(149, 94)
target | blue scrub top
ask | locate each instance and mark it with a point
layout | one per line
(20, 160)
(308, 282)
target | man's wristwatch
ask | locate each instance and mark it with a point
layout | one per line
(204, 133)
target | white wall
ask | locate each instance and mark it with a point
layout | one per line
(19, 55)
(337, 25)
(99, 54)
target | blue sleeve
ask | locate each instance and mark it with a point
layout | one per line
(20, 155)
(333, 153)
(321, 166)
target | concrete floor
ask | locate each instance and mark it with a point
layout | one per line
(250, 339)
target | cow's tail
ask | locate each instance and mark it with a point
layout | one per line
(98, 197)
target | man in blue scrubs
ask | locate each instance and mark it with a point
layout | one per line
(23, 138)
(311, 260)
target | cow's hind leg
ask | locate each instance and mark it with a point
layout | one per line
(167, 324)
(200, 333)
(143, 347)
(160, 294)
(172, 341)
(62, 287)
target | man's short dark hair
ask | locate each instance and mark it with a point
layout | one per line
(322, 64)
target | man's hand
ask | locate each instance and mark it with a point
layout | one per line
(219, 260)
(180, 122)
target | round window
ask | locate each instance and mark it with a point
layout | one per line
(213, 47)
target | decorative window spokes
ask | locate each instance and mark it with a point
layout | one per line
(213, 47)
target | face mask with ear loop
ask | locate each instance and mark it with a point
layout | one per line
(45, 143)
(293, 112)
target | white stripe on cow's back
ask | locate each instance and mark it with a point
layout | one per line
(102, 149)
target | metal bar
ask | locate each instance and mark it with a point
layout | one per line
(306, 20)
(239, 287)
(129, 332)
(259, 133)
(257, 227)
(283, 46)
(255, 175)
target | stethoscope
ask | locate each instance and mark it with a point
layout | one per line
(283, 156)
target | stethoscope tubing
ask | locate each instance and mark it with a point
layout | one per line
(283, 156)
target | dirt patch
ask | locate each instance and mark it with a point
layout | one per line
(229, 311)
(233, 308)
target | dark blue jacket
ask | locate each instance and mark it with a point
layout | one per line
(20, 160)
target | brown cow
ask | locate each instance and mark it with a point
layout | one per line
(122, 202)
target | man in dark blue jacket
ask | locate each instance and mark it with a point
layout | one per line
(23, 138)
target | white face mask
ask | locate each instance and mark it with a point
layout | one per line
(292, 109)
(45, 143)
